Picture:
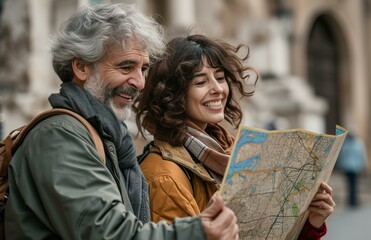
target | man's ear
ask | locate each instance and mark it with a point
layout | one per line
(82, 71)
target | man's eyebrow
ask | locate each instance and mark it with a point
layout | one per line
(131, 61)
(127, 61)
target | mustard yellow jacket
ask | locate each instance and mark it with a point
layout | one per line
(178, 186)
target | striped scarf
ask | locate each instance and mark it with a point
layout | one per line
(211, 147)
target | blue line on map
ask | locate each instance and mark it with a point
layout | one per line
(248, 136)
(247, 164)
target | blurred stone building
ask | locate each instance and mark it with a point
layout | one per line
(313, 56)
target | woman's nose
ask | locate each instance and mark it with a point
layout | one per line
(216, 87)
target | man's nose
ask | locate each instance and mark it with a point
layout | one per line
(137, 80)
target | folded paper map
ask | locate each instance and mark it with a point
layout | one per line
(272, 177)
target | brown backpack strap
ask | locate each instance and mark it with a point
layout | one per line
(6, 153)
(14, 139)
(56, 111)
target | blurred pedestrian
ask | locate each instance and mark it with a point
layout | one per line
(352, 162)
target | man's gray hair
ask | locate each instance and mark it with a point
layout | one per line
(89, 31)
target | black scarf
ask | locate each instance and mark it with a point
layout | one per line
(104, 120)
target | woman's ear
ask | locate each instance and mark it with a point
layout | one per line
(82, 71)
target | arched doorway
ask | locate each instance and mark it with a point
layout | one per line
(326, 53)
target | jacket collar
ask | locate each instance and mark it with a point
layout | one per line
(180, 155)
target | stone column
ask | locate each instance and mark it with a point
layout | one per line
(181, 15)
(39, 65)
(33, 98)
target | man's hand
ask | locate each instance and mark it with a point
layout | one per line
(218, 221)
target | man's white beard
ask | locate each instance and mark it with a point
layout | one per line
(122, 114)
(98, 89)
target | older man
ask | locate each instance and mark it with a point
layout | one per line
(60, 187)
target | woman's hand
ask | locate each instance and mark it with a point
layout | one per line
(321, 206)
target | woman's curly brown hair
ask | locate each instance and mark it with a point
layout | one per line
(160, 108)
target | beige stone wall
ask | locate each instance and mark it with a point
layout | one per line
(349, 15)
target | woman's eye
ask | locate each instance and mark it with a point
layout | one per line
(199, 83)
(220, 77)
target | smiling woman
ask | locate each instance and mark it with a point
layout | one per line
(206, 96)
(194, 62)
(186, 96)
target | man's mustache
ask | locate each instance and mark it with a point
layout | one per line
(130, 91)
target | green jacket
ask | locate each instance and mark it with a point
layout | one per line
(61, 189)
